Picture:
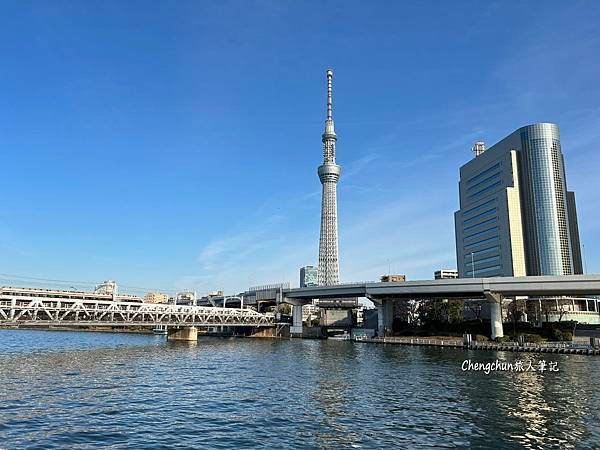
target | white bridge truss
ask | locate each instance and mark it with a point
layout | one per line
(46, 311)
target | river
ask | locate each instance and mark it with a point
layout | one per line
(63, 389)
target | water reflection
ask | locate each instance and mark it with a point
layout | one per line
(532, 409)
(335, 394)
(60, 390)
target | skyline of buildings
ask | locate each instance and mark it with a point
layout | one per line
(516, 216)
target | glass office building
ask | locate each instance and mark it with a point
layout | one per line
(516, 216)
(308, 276)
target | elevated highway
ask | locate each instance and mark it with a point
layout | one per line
(491, 289)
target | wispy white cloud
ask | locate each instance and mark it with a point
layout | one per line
(412, 234)
(264, 251)
(357, 166)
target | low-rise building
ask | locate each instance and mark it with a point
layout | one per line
(156, 297)
(393, 278)
(185, 298)
(310, 313)
(108, 287)
(445, 274)
(360, 315)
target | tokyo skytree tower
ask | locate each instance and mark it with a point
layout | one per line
(329, 174)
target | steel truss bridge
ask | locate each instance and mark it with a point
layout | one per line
(49, 311)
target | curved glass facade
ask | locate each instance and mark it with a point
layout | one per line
(544, 193)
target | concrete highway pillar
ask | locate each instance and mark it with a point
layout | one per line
(385, 317)
(182, 334)
(495, 302)
(296, 328)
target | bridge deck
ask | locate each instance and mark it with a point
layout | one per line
(459, 288)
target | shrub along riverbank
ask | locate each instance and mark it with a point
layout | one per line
(480, 330)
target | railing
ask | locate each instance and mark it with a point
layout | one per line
(420, 341)
(17, 310)
(488, 345)
(269, 287)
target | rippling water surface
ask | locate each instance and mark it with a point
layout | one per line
(95, 390)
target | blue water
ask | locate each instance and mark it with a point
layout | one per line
(99, 390)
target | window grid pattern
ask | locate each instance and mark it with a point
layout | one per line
(561, 209)
(543, 193)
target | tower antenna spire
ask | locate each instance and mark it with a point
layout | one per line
(329, 89)
(329, 136)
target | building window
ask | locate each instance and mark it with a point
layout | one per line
(479, 208)
(487, 270)
(480, 175)
(480, 216)
(485, 251)
(486, 222)
(483, 261)
(479, 233)
(489, 188)
(472, 245)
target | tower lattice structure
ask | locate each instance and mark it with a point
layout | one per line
(329, 174)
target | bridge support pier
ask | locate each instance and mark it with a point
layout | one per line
(296, 328)
(182, 334)
(385, 317)
(495, 303)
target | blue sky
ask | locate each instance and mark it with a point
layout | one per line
(175, 144)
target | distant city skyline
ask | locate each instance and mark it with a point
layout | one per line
(175, 148)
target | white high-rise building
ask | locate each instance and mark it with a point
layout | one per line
(329, 174)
